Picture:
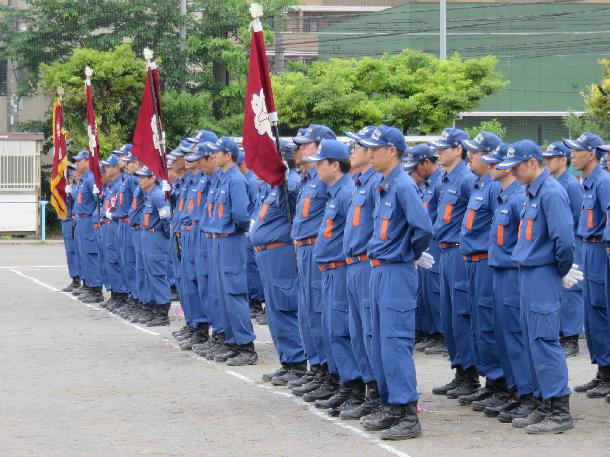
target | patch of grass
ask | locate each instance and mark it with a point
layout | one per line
(6, 237)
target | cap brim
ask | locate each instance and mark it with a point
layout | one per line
(193, 158)
(551, 154)
(471, 146)
(489, 159)
(508, 164)
(303, 140)
(409, 165)
(572, 144)
(370, 143)
(437, 145)
(313, 158)
(604, 147)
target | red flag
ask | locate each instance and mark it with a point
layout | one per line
(261, 152)
(94, 141)
(60, 162)
(148, 137)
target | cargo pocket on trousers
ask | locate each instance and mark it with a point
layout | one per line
(157, 265)
(339, 318)
(460, 298)
(597, 290)
(400, 322)
(89, 244)
(485, 309)
(287, 294)
(544, 321)
(512, 314)
(235, 280)
(316, 295)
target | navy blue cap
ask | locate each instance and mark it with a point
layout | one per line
(112, 161)
(82, 155)
(129, 158)
(123, 150)
(450, 138)
(226, 144)
(144, 171)
(385, 136)
(558, 148)
(287, 148)
(483, 142)
(241, 156)
(203, 136)
(604, 162)
(408, 165)
(186, 147)
(419, 152)
(497, 155)
(198, 153)
(364, 134)
(586, 142)
(314, 133)
(520, 152)
(330, 149)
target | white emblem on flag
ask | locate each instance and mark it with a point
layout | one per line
(261, 117)
(92, 142)
(155, 132)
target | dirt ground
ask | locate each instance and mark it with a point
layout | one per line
(78, 381)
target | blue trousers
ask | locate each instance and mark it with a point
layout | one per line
(199, 243)
(393, 303)
(190, 288)
(89, 252)
(336, 325)
(540, 325)
(359, 298)
(178, 276)
(255, 288)
(429, 297)
(480, 279)
(280, 281)
(128, 257)
(216, 315)
(597, 323)
(102, 235)
(155, 266)
(572, 311)
(232, 287)
(112, 258)
(455, 309)
(509, 336)
(142, 294)
(70, 247)
(310, 305)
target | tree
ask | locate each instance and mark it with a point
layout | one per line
(493, 125)
(412, 90)
(596, 117)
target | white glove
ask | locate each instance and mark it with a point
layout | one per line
(108, 214)
(252, 222)
(95, 190)
(572, 277)
(165, 186)
(287, 172)
(68, 188)
(426, 261)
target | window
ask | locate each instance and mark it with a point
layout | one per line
(3, 77)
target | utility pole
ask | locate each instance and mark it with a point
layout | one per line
(183, 43)
(443, 30)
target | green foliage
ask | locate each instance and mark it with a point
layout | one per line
(596, 117)
(412, 90)
(493, 125)
(117, 84)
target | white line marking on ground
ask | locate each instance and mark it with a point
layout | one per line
(373, 440)
(29, 267)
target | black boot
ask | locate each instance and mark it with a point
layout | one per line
(307, 377)
(558, 421)
(110, 302)
(200, 335)
(216, 344)
(138, 312)
(312, 385)
(327, 389)
(526, 404)
(455, 382)
(589, 385)
(81, 290)
(94, 296)
(148, 313)
(173, 294)
(570, 345)
(354, 399)
(490, 388)
(162, 317)
(439, 347)
(407, 427)
(390, 416)
(371, 403)
(75, 284)
(229, 351)
(542, 409)
(246, 355)
(511, 402)
(603, 388)
(337, 399)
(261, 318)
(184, 328)
(281, 371)
(501, 395)
(256, 306)
(469, 385)
(427, 341)
(295, 371)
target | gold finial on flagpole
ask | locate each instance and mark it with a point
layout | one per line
(148, 54)
(61, 91)
(256, 10)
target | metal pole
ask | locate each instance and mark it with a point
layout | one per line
(443, 30)
(43, 220)
(183, 43)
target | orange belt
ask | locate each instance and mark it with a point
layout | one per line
(444, 245)
(219, 235)
(209, 235)
(266, 247)
(186, 227)
(356, 259)
(592, 239)
(331, 266)
(123, 219)
(306, 241)
(608, 250)
(96, 226)
(83, 215)
(476, 257)
(195, 222)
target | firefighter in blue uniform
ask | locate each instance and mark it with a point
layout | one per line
(100, 224)
(307, 220)
(571, 315)
(592, 222)
(332, 167)
(156, 216)
(507, 308)
(402, 231)
(422, 160)
(68, 226)
(603, 163)
(86, 204)
(474, 245)
(457, 184)
(270, 236)
(544, 253)
(230, 221)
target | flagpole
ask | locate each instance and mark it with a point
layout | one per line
(88, 74)
(60, 96)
